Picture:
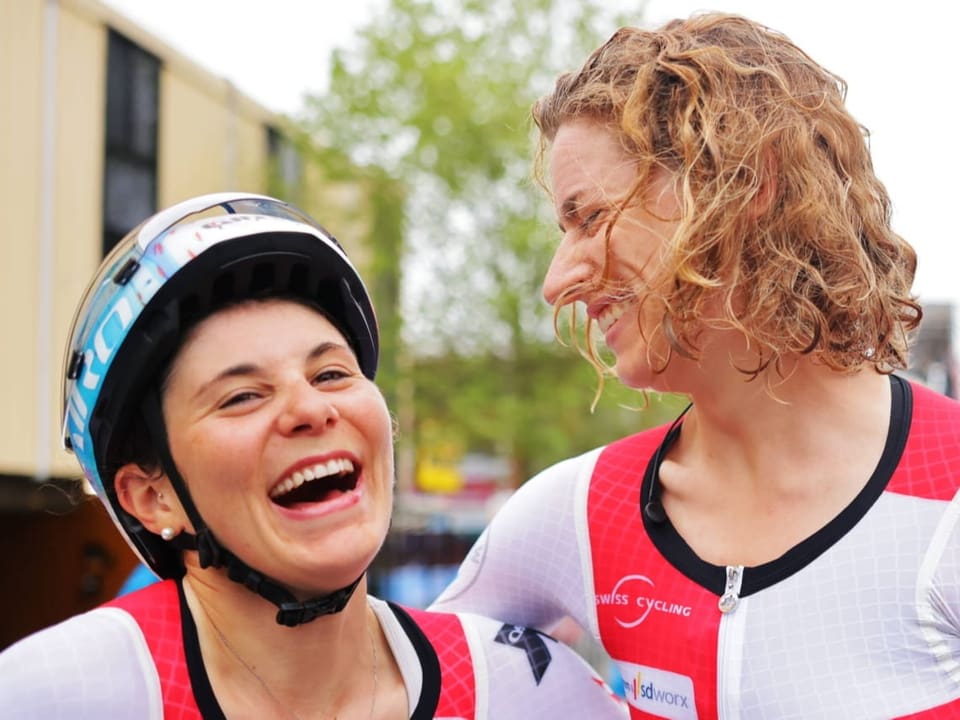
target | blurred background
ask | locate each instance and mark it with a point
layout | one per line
(409, 140)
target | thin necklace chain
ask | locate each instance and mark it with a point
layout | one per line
(266, 688)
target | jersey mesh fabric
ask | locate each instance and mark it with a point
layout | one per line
(656, 625)
(529, 564)
(458, 696)
(108, 663)
(90, 667)
(157, 610)
(864, 624)
(930, 466)
(840, 635)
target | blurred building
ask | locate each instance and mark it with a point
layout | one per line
(101, 124)
(932, 356)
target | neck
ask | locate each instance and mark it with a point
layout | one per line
(749, 479)
(253, 662)
(816, 415)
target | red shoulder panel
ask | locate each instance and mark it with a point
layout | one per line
(156, 609)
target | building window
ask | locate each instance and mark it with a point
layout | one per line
(130, 168)
(286, 166)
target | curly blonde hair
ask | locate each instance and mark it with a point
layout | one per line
(781, 217)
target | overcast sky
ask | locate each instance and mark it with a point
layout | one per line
(900, 60)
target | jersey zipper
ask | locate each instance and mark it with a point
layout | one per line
(730, 645)
(731, 593)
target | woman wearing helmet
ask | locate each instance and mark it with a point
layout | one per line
(219, 397)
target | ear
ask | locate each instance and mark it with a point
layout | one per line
(149, 497)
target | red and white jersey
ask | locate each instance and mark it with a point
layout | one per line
(861, 620)
(139, 657)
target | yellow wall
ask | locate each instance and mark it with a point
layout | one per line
(77, 195)
(21, 48)
(211, 138)
(51, 145)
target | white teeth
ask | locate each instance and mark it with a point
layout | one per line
(338, 466)
(609, 315)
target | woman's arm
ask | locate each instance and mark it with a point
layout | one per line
(531, 566)
(526, 674)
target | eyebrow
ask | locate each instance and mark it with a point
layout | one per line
(242, 369)
(571, 205)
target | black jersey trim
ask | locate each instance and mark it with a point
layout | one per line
(199, 680)
(207, 701)
(713, 577)
(429, 664)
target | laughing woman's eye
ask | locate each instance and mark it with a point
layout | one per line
(237, 399)
(330, 375)
(590, 220)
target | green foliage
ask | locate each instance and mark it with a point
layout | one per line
(435, 96)
(534, 409)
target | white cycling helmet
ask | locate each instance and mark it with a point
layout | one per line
(173, 270)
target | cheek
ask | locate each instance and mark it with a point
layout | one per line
(384, 454)
(377, 424)
(383, 460)
(210, 462)
(650, 345)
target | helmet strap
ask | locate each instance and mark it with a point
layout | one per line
(291, 612)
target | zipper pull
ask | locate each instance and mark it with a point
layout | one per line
(731, 593)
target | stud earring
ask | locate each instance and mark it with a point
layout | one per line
(168, 533)
(159, 495)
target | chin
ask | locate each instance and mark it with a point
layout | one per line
(331, 581)
(332, 565)
(635, 371)
(637, 378)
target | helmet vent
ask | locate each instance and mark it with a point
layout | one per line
(75, 366)
(126, 272)
(262, 279)
(222, 290)
(299, 279)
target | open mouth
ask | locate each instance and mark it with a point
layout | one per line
(315, 484)
(609, 315)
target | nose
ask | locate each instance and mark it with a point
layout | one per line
(569, 268)
(306, 409)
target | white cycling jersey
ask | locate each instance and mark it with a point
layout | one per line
(138, 657)
(861, 620)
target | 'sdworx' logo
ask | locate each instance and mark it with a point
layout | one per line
(640, 690)
(658, 692)
(635, 594)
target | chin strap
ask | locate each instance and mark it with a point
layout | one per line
(291, 612)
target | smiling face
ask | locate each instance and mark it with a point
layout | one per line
(285, 445)
(591, 175)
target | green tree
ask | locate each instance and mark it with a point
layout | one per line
(436, 96)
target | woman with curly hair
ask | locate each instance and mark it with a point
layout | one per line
(789, 546)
